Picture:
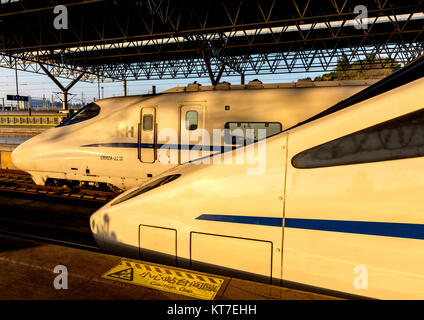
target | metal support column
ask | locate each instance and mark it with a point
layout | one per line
(214, 80)
(64, 99)
(16, 78)
(64, 89)
(17, 85)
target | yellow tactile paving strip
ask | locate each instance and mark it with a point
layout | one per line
(188, 283)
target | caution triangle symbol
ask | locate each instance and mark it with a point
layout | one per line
(126, 274)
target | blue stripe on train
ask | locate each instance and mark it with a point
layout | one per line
(262, 221)
(166, 146)
(386, 229)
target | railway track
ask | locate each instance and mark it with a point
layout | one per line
(20, 182)
(62, 221)
(48, 214)
(65, 243)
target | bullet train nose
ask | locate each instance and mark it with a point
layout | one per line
(97, 228)
(23, 156)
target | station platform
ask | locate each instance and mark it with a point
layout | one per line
(5, 156)
(28, 273)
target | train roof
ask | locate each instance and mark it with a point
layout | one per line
(256, 84)
(252, 85)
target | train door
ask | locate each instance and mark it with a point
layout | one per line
(147, 148)
(191, 132)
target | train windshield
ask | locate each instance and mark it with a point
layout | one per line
(152, 185)
(89, 111)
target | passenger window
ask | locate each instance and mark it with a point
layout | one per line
(148, 122)
(243, 132)
(192, 120)
(398, 138)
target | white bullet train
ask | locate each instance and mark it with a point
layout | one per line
(123, 142)
(338, 206)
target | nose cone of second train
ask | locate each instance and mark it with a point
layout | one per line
(97, 228)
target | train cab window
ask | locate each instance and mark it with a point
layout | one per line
(395, 139)
(243, 132)
(192, 120)
(148, 122)
(152, 185)
(89, 111)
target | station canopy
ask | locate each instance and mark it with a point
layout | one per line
(163, 39)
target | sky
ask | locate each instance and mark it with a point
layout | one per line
(37, 85)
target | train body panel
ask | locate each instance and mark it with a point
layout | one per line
(337, 205)
(373, 208)
(133, 139)
(224, 185)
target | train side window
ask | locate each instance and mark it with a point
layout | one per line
(239, 132)
(395, 139)
(192, 120)
(148, 122)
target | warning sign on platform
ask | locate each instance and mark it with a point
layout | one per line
(166, 279)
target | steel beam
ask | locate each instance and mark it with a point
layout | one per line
(64, 89)
(163, 39)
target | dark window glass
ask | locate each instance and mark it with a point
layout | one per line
(192, 120)
(148, 122)
(152, 185)
(89, 111)
(248, 132)
(399, 138)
